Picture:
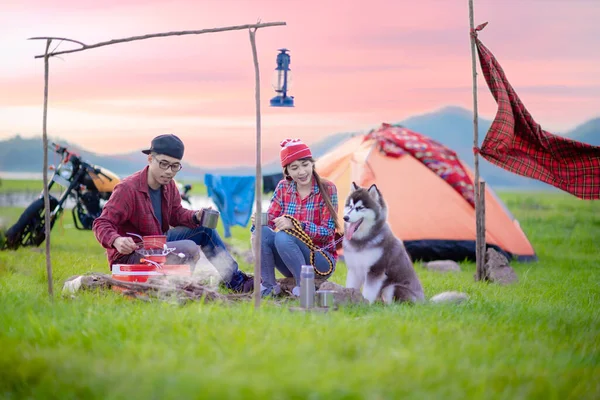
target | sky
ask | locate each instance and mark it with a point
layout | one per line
(354, 66)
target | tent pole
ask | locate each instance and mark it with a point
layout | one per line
(479, 203)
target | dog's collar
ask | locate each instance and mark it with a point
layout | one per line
(377, 239)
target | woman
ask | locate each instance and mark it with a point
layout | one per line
(302, 218)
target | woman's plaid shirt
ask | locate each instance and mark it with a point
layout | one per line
(311, 211)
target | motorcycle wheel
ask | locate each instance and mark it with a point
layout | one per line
(29, 230)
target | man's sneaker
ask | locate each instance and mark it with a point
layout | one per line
(241, 282)
(248, 285)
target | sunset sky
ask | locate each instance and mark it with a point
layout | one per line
(354, 66)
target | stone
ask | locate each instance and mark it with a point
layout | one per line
(497, 269)
(450, 297)
(343, 295)
(442, 266)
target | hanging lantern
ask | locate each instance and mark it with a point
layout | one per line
(281, 81)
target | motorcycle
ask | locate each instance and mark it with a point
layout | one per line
(90, 186)
(183, 191)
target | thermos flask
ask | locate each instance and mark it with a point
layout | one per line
(307, 287)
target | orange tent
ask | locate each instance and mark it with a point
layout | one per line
(434, 219)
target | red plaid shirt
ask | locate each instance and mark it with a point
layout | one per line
(312, 212)
(129, 209)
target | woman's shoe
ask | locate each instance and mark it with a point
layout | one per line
(270, 291)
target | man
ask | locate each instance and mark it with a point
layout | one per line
(148, 203)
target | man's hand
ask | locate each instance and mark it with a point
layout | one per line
(282, 223)
(124, 245)
(200, 212)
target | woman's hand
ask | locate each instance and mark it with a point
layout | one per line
(282, 223)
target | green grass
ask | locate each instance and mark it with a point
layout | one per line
(36, 185)
(538, 339)
(25, 186)
(198, 188)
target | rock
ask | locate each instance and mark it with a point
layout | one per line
(497, 269)
(450, 297)
(343, 295)
(72, 285)
(442, 266)
(287, 284)
(85, 282)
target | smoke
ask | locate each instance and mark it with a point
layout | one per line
(208, 272)
(218, 270)
(222, 262)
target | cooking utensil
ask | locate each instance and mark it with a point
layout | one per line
(135, 234)
(151, 241)
(264, 218)
(209, 218)
(324, 298)
(157, 265)
(155, 241)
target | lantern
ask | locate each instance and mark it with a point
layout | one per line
(281, 81)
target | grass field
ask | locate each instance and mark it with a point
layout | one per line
(35, 185)
(24, 186)
(538, 339)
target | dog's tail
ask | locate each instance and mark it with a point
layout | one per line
(449, 297)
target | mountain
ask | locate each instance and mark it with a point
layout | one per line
(26, 155)
(588, 132)
(452, 126)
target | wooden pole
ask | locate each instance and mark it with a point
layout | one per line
(258, 183)
(479, 229)
(252, 28)
(150, 36)
(47, 210)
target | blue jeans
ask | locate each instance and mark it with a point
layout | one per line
(187, 240)
(287, 253)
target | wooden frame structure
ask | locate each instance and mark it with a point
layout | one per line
(252, 28)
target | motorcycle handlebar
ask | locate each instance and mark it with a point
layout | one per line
(61, 150)
(58, 148)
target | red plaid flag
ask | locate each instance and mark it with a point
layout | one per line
(518, 144)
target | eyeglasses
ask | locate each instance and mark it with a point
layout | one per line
(175, 167)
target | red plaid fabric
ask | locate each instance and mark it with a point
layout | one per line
(396, 140)
(518, 144)
(311, 211)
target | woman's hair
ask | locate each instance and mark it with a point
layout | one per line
(322, 189)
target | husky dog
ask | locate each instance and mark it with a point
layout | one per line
(375, 257)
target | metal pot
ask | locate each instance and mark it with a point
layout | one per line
(324, 298)
(209, 218)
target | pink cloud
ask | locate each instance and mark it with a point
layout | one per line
(354, 66)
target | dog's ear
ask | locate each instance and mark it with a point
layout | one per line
(353, 187)
(374, 192)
